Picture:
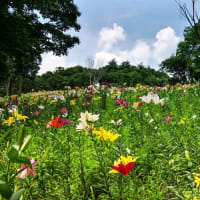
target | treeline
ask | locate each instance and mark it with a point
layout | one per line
(112, 73)
(81, 76)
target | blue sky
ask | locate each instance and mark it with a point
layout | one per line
(146, 31)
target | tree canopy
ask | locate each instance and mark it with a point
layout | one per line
(185, 64)
(30, 28)
(80, 76)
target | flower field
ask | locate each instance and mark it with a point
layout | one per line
(101, 143)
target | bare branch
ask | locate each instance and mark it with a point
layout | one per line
(193, 11)
(191, 17)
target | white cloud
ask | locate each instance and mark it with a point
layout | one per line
(164, 45)
(109, 47)
(110, 36)
(139, 53)
(50, 62)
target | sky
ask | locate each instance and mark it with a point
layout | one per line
(138, 31)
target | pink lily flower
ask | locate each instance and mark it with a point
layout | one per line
(36, 112)
(168, 118)
(63, 110)
(125, 103)
(27, 169)
(86, 103)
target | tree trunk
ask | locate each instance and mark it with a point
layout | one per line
(90, 78)
(20, 79)
(8, 86)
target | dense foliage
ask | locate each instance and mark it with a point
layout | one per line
(80, 76)
(117, 74)
(185, 64)
(101, 143)
(30, 28)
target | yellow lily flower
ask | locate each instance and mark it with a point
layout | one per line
(105, 135)
(197, 180)
(96, 98)
(187, 196)
(20, 117)
(187, 155)
(73, 102)
(9, 121)
(182, 121)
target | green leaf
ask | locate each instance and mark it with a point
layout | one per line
(23, 160)
(20, 138)
(5, 191)
(25, 144)
(14, 157)
(5, 135)
(189, 164)
(92, 192)
(35, 122)
(16, 174)
(16, 195)
(13, 153)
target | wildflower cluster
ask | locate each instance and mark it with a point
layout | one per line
(58, 122)
(16, 116)
(94, 156)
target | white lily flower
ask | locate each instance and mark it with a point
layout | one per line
(13, 109)
(151, 121)
(41, 107)
(88, 117)
(147, 98)
(152, 97)
(1, 113)
(65, 114)
(116, 122)
(82, 125)
(128, 150)
(194, 116)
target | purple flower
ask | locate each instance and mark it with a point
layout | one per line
(64, 122)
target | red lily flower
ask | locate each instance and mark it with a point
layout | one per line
(124, 165)
(124, 169)
(58, 122)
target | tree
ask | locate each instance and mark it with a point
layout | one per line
(90, 66)
(189, 50)
(31, 27)
(191, 16)
(125, 66)
(185, 64)
(177, 67)
(111, 66)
